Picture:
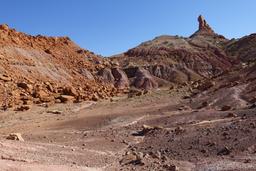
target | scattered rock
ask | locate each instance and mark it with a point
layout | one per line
(171, 167)
(70, 91)
(226, 108)
(146, 129)
(251, 149)
(121, 79)
(49, 87)
(253, 106)
(95, 97)
(206, 85)
(179, 130)
(15, 137)
(38, 93)
(25, 86)
(23, 108)
(156, 155)
(57, 101)
(4, 27)
(66, 98)
(231, 115)
(131, 158)
(57, 112)
(47, 99)
(5, 78)
(81, 51)
(48, 51)
(204, 104)
(133, 92)
(224, 151)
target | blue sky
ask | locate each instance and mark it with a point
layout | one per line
(109, 27)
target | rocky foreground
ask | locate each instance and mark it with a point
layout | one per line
(158, 131)
(173, 103)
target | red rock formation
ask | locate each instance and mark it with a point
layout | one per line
(144, 80)
(203, 26)
(205, 29)
(44, 66)
(121, 79)
(179, 59)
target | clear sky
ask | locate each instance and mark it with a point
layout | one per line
(109, 27)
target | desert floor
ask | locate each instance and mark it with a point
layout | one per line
(157, 131)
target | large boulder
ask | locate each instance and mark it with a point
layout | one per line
(121, 79)
(114, 76)
(144, 80)
(106, 75)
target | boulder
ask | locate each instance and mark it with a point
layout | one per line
(121, 79)
(224, 151)
(56, 112)
(226, 108)
(144, 80)
(106, 75)
(70, 91)
(66, 98)
(38, 93)
(25, 86)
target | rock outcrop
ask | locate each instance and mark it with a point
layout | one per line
(203, 25)
(243, 49)
(144, 80)
(205, 30)
(106, 75)
(180, 60)
(121, 79)
(115, 76)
